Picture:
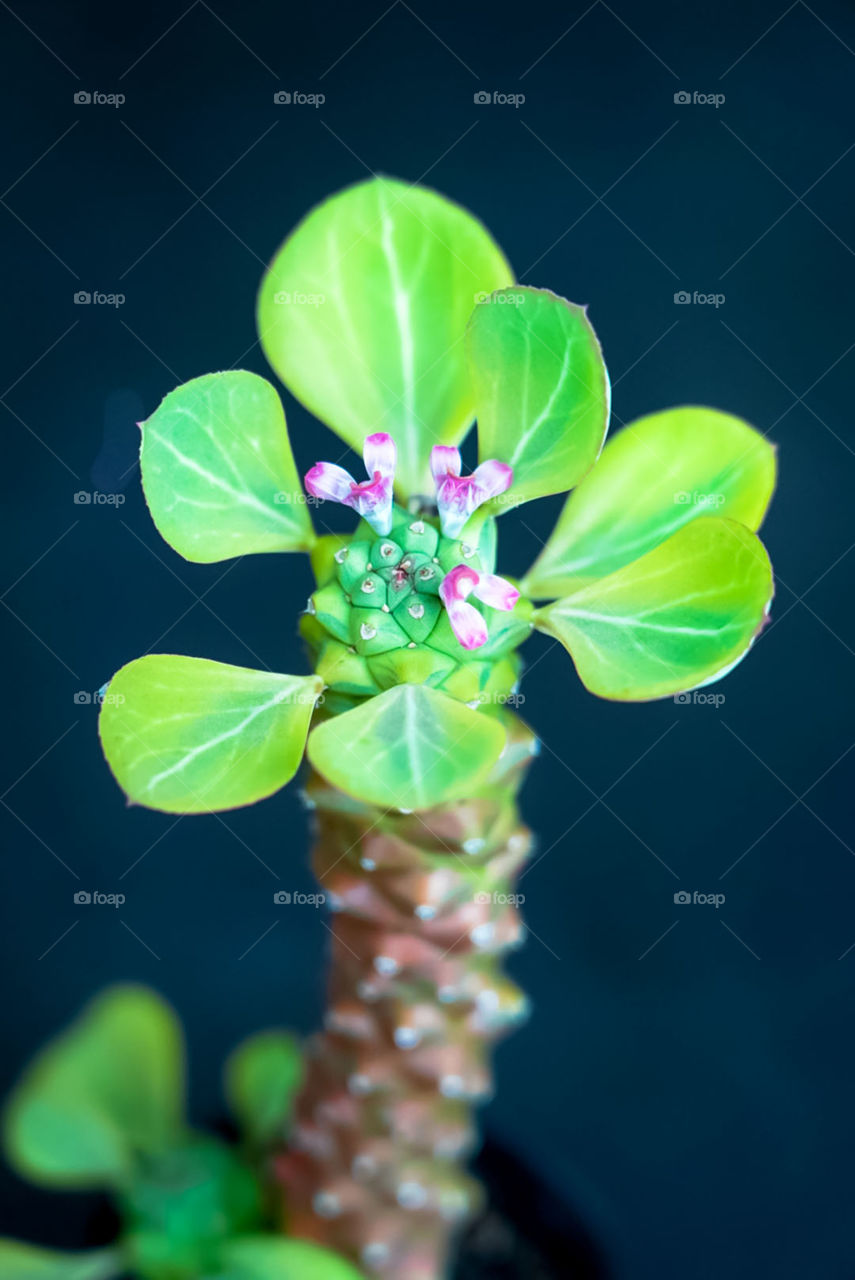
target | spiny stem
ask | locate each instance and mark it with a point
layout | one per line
(424, 909)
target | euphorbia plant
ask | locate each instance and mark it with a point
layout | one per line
(393, 316)
(102, 1109)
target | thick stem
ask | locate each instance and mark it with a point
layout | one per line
(424, 908)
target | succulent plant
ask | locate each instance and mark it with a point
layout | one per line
(393, 316)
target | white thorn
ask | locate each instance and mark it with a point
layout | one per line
(326, 1204)
(411, 1195)
(375, 1253)
(452, 1087)
(406, 1037)
(387, 966)
(425, 911)
(482, 935)
(367, 631)
(363, 1166)
(473, 845)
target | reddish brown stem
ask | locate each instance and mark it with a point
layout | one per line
(424, 909)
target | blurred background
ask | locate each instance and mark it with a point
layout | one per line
(685, 1080)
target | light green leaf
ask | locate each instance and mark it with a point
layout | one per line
(262, 1076)
(654, 477)
(186, 735)
(218, 472)
(363, 313)
(410, 748)
(26, 1262)
(274, 1258)
(681, 616)
(541, 390)
(108, 1088)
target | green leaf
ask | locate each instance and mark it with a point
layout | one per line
(218, 472)
(186, 735)
(108, 1088)
(653, 478)
(363, 313)
(262, 1077)
(273, 1258)
(180, 1208)
(541, 390)
(681, 616)
(26, 1262)
(410, 748)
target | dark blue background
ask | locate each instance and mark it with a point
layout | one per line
(686, 1079)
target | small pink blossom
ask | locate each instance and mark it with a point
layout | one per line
(466, 622)
(371, 498)
(458, 496)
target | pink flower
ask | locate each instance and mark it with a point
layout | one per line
(458, 496)
(371, 498)
(466, 622)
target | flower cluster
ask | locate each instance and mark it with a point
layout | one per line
(457, 497)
